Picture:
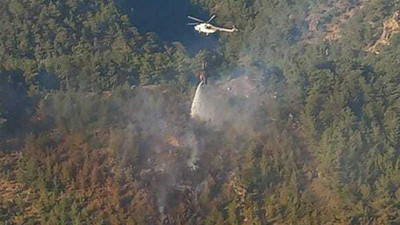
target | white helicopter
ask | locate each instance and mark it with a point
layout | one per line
(207, 28)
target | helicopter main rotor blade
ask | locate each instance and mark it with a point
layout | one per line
(192, 24)
(196, 19)
(211, 18)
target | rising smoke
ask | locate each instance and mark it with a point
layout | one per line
(172, 131)
(230, 102)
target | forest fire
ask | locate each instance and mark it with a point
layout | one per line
(102, 119)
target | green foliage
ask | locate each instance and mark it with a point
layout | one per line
(87, 45)
(106, 109)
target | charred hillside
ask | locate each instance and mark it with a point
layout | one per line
(103, 121)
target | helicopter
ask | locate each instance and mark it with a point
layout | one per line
(202, 26)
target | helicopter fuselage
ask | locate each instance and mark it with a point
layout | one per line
(209, 29)
(205, 28)
(202, 26)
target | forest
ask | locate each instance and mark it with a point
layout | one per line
(95, 124)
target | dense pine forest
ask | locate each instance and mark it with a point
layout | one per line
(95, 124)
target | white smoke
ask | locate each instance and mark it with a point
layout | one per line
(209, 104)
(226, 102)
(174, 146)
(193, 145)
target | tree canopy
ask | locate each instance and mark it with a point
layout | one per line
(95, 125)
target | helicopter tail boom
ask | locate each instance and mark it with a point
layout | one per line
(230, 30)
